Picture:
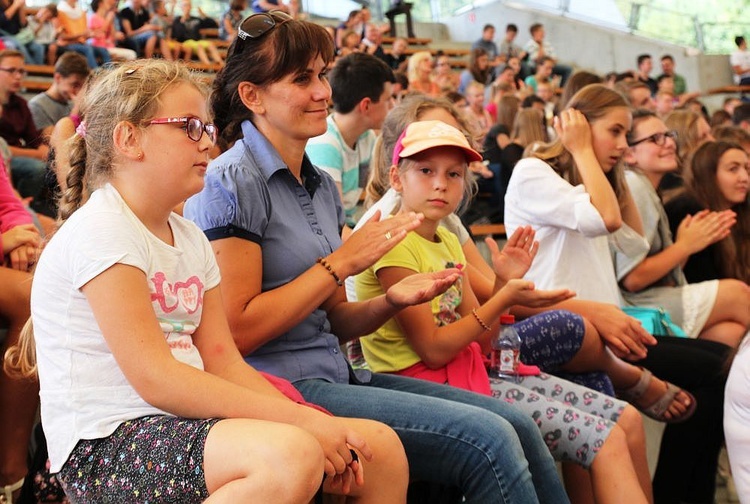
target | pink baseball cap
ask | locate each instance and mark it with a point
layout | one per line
(422, 135)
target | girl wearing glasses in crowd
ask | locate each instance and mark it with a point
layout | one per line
(144, 394)
(715, 309)
(275, 223)
(573, 193)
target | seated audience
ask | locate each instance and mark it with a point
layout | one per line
(136, 24)
(218, 443)
(568, 190)
(717, 180)
(71, 71)
(538, 47)
(17, 128)
(645, 65)
(17, 34)
(713, 310)
(487, 42)
(442, 342)
(444, 77)
(102, 27)
(397, 58)
(231, 19)
(19, 397)
(361, 87)
(277, 231)
(44, 26)
(186, 31)
(420, 74)
(74, 33)
(479, 70)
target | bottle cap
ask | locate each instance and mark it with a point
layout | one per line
(507, 319)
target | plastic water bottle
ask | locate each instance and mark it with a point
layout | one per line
(506, 350)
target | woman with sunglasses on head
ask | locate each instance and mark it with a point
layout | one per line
(714, 310)
(144, 394)
(275, 222)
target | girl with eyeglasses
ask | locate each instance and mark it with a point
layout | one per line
(274, 221)
(144, 394)
(573, 192)
(716, 309)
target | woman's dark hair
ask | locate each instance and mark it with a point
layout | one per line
(481, 76)
(286, 49)
(734, 250)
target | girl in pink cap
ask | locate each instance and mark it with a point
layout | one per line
(444, 341)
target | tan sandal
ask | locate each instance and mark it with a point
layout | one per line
(657, 409)
(6, 497)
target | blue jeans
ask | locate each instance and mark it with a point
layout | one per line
(28, 175)
(485, 447)
(91, 53)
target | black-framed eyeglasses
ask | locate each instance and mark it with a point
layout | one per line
(256, 25)
(657, 138)
(21, 72)
(194, 127)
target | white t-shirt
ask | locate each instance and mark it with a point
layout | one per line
(741, 59)
(574, 244)
(348, 166)
(84, 394)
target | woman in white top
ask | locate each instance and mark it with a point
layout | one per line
(573, 193)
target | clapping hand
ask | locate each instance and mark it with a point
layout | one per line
(421, 287)
(524, 293)
(515, 259)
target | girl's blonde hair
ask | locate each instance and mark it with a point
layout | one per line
(408, 111)
(529, 127)
(129, 92)
(415, 60)
(594, 102)
(507, 109)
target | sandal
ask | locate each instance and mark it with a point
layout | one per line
(6, 497)
(658, 408)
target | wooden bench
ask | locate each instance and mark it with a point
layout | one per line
(411, 40)
(487, 229)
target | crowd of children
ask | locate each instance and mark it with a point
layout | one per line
(201, 358)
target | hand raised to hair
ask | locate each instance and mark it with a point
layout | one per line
(421, 287)
(369, 243)
(515, 259)
(573, 130)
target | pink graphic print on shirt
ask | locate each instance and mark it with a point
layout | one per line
(187, 294)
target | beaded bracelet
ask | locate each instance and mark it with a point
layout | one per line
(327, 266)
(481, 322)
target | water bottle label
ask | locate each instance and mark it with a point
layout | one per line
(507, 361)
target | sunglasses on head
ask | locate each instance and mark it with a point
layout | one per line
(256, 25)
